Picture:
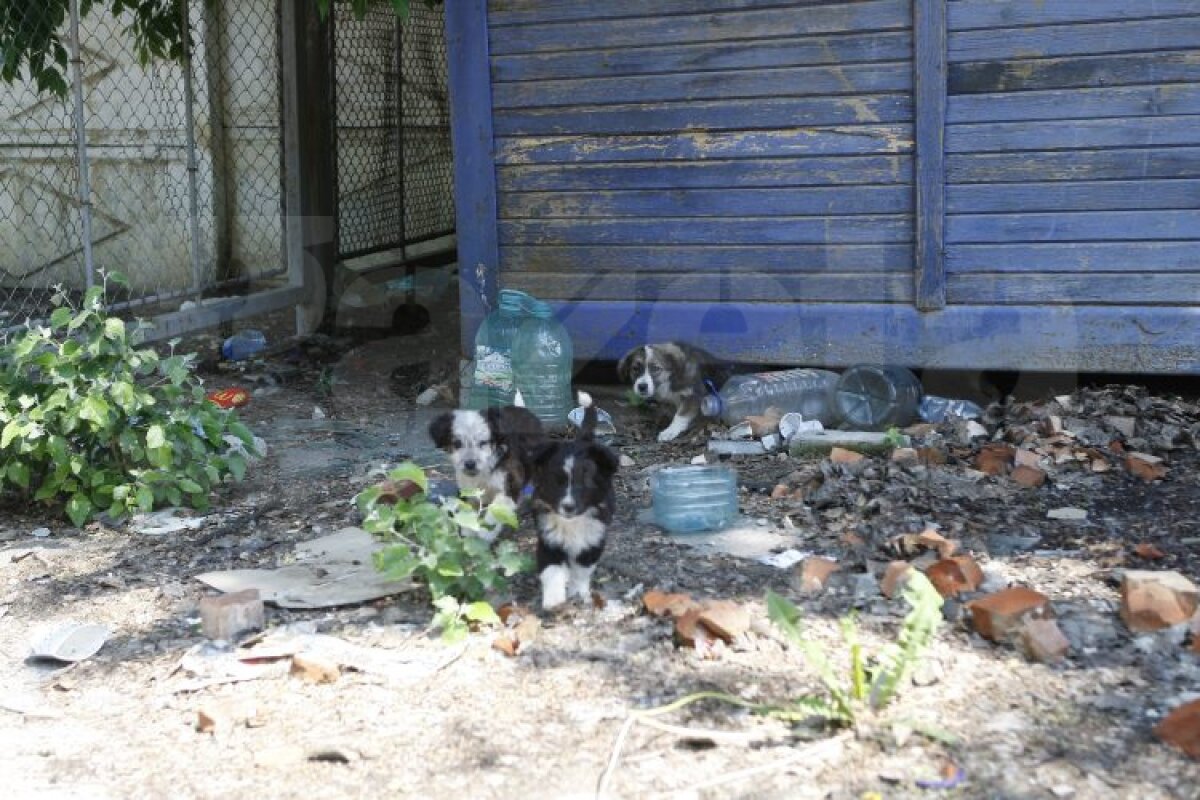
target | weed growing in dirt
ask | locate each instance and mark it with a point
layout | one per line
(894, 437)
(92, 422)
(873, 682)
(429, 540)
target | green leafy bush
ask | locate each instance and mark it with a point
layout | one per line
(92, 422)
(427, 542)
(873, 683)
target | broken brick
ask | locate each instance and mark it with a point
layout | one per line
(953, 576)
(227, 615)
(994, 458)
(894, 578)
(813, 572)
(1149, 552)
(392, 492)
(932, 540)
(1145, 466)
(662, 604)
(1042, 640)
(840, 455)
(1027, 476)
(1152, 600)
(905, 455)
(1027, 458)
(726, 619)
(315, 668)
(686, 625)
(996, 615)
(1181, 729)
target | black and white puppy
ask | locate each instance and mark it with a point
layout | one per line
(674, 373)
(492, 452)
(574, 502)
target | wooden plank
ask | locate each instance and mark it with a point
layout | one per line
(975, 77)
(1084, 134)
(835, 49)
(692, 145)
(715, 174)
(528, 12)
(895, 76)
(762, 113)
(1126, 338)
(1064, 40)
(657, 31)
(778, 202)
(1075, 226)
(474, 173)
(1103, 289)
(1074, 257)
(753, 287)
(749, 230)
(975, 198)
(929, 32)
(709, 258)
(970, 14)
(1141, 101)
(1070, 165)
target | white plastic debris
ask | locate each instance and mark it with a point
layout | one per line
(700, 459)
(427, 397)
(69, 641)
(164, 522)
(1067, 513)
(604, 420)
(318, 413)
(793, 424)
(40, 533)
(787, 558)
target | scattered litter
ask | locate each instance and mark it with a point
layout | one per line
(334, 570)
(785, 559)
(40, 533)
(699, 460)
(937, 409)
(604, 421)
(318, 413)
(164, 522)
(1067, 512)
(952, 775)
(225, 616)
(722, 447)
(428, 397)
(69, 641)
(232, 397)
(793, 424)
(626, 461)
(975, 430)
(821, 442)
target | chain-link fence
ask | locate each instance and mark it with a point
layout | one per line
(394, 163)
(169, 173)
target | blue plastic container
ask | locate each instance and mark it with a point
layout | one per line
(694, 498)
(543, 359)
(243, 345)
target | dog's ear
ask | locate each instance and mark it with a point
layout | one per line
(605, 459)
(625, 368)
(441, 430)
(494, 418)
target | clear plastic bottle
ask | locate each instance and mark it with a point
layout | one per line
(808, 392)
(937, 409)
(492, 380)
(873, 397)
(543, 360)
(694, 498)
(243, 345)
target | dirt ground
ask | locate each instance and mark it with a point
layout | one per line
(420, 718)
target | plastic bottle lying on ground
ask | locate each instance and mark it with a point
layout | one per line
(689, 499)
(809, 392)
(875, 397)
(937, 409)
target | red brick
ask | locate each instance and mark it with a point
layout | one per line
(1028, 477)
(993, 459)
(953, 576)
(813, 572)
(998, 614)
(840, 455)
(1181, 729)
(1152, 600)
(662, 604)
(894, 577)
(227, 615)
(1042, 640)
(725, 618)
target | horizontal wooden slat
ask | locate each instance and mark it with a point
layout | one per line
(1105, 289)
(1069, 165)
(838, 49)
(1075, 257)
(710, 258)
(968, 14)
(782, 112)
(789, 230)
(1077, 135)
(975, 77)
(527, 12)
(1142, 101)
(1065, 40)
(1124, 338)
(794, 81)
(782, 202)
(752, 287)
(977, 198)
(715, 174)
(657, 31)
(1064, 226)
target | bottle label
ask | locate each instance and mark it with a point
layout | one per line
(493, 369)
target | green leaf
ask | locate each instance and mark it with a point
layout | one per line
(60, 317)
(79, 508)
(482, 612)
(18, 473)
(11, 431)
(237, 466)
(145, 498)
(504, 514)
(784, 614)
(94, 409)
(114, 328)
(155, 437)
(467, 519)
(190, 486)
(408, 471)
(401, 7)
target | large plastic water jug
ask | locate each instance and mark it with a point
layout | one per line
(543, 359)
(492, 382)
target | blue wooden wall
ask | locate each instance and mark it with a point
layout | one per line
(971, 183)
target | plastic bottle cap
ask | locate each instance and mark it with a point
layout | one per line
(512, 300)
(540, 309)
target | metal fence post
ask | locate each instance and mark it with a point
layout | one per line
(193, 168)
(85, 189)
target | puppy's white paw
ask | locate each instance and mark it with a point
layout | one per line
(554, 587)
(668, 435)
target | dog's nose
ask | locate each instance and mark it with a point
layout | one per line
(567, 506)
(641, 388)
(469, 466)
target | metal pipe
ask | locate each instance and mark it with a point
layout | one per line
(193, 169)
(85, 186)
